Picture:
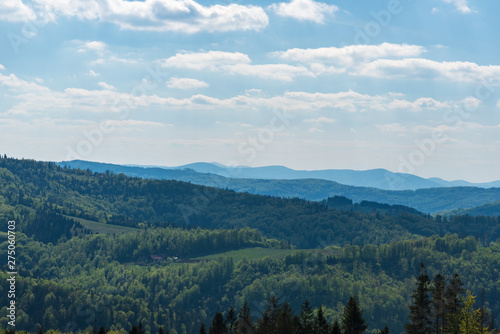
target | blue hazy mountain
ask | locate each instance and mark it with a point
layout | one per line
(428, 200)
(377, 178)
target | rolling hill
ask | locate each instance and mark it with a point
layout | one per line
(428, 200)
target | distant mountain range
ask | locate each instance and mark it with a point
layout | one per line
(376, 178)
(429, 200)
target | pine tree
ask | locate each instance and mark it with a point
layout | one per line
(245, 323)
(336, 329)
(385, 330)
(306, 319)
(420, 310)
(453, 304)
(231, 318)
(320, 323)
(438, 302)
(352, 320)
(285, 322)
(202, 328)
(218, 324)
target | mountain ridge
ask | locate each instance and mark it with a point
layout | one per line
(378, 177)
(430, 200)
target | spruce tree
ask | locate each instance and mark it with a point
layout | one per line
(306, 319)
(352, 320)
(202, 329)
(218, 324)
(231, 318)
(285, 320)
(245, 324)
(336, 329)
(420, 310)
(320, 323)
(438, 302)
(453, 304)
(385, 330)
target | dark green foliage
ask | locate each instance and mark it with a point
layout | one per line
(202, 329)
(453, 304)
(353, 321)
(245, 324)
(385, 330)
(336, 328)
(306, 319)
(438, 303)
(420, 310)
(285, 320)
(320, 323)
(231, 318)
(218, 324)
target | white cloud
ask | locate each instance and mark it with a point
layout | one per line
(186, 83)
(319, 120)
(461, 5)
(498, 104)
(235, 63)
(104, 85)
(423, 103)
(419, 68)
(96, 46)
(94, 74)
(393, 127)
(31, 97)
(304, 10)
(315, 130)
(15, 11)
(352, 54)
(131, 122)
(2, 67)
(281, 72)
(202, 60)
(185, 16)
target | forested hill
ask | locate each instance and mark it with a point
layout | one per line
(429, 200)
(29, 188)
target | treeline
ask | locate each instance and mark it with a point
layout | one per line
(28, 187)
(439, 305)
(112, 281)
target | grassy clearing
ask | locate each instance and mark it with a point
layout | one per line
(251, 254)
(100, 228)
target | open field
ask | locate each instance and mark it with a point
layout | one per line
(97, 227)
(251, 254)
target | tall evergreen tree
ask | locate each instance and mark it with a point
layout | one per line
(320, 323)
(218, 324)
(453, 304)
(202, 328)
(231, 318)
(306, 319)
(285, 320)
(336, 329)
(384, 330)
(420, 310)
(352, 320)
(438, 302)
(245, 323)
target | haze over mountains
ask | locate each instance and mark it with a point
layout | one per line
(428, 200)
(377, 178)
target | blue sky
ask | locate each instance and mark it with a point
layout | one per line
(410, 86)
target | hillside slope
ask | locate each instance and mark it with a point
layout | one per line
(430, 200)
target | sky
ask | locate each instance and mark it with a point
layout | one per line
(409, 86)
